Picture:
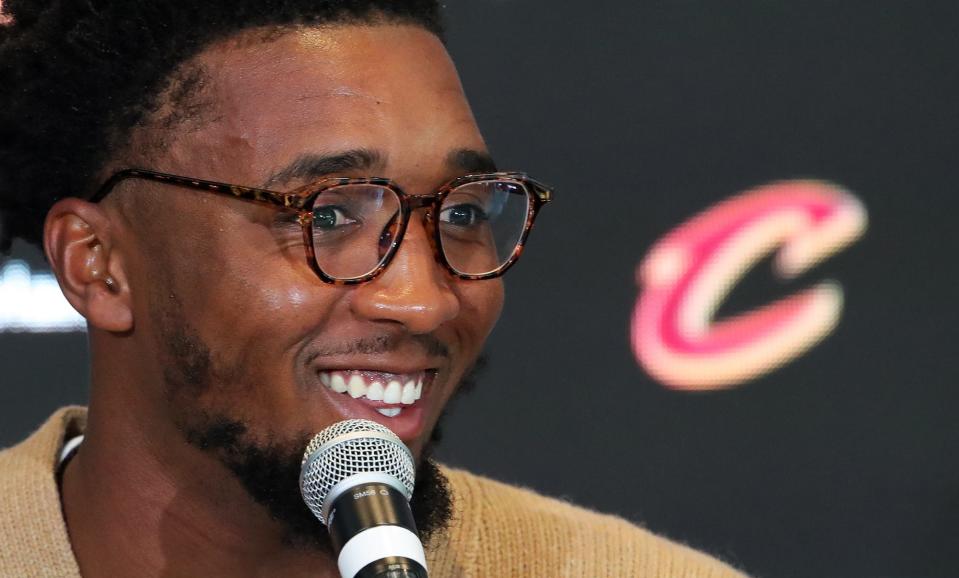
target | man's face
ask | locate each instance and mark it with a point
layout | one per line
(243, 329)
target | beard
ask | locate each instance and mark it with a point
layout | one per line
(270, 471)
(270, 474)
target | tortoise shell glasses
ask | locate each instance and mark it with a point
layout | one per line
(352, 227)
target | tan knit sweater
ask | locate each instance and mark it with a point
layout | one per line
(498, 530)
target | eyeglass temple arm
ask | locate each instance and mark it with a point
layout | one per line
(247, 193)
(542, 191)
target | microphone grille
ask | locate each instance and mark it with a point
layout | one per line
(347, 448)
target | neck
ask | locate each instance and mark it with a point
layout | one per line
(138, 500)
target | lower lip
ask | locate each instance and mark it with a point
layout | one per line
(408, 425)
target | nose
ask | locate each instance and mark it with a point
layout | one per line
(414, 290)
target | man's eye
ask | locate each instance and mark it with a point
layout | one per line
(463, 215)
(330, 217)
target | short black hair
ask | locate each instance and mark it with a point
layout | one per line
(78, 75)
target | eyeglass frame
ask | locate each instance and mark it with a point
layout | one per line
(537, 195)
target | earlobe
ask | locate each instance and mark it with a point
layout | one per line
(78, 244)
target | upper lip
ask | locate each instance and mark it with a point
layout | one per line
(399, 368)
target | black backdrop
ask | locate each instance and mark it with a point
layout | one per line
(842, 463)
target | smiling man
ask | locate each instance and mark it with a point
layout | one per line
(274, 216)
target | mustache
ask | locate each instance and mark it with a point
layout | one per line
(430, 344)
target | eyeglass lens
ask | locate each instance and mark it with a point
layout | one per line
(480, 224)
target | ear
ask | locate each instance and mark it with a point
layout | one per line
(78, 244)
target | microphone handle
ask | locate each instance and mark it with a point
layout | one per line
(374, 535)
(393, 568)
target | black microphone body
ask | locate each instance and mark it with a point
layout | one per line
(370, 505)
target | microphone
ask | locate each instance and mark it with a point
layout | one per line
(357, 478)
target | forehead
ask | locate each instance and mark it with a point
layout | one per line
(387, 88)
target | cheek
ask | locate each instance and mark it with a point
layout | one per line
(481, 303)
(240, 287)
(265, 297)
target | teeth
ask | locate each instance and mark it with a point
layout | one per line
(375, 392)
(337, 383)
(409, 393)
(390, 411)
(355, 383)
(356, 386)
(393, 393)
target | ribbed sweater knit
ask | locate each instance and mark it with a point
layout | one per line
(497, 530)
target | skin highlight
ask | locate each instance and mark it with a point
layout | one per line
(139, 497)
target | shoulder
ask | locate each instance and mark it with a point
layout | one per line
(527, 534)
(32, 529)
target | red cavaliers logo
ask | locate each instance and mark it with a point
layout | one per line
(688, 273)
(5, 18)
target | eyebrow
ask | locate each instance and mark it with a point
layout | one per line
(471, 161)
(309, 167)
